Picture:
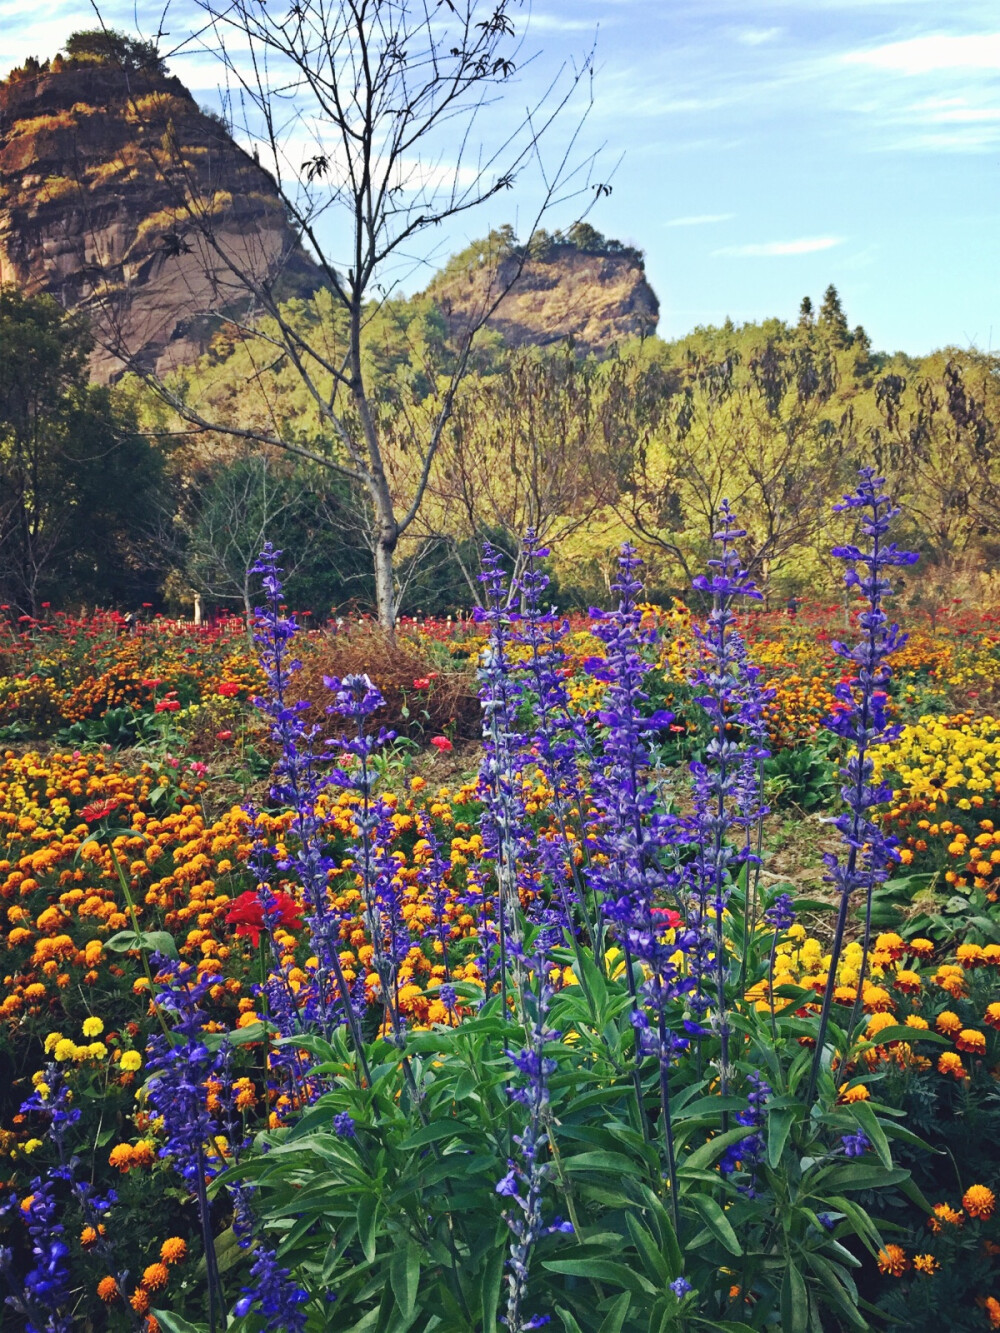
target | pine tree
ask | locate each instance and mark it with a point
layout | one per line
(832, 320)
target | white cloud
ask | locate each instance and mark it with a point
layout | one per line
(806, 245)
(757, 36)
(931, 54)
(699, 220)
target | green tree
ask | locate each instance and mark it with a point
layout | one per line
(78, 483)
(106, 46)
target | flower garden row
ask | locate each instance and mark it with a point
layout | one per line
(100, 854)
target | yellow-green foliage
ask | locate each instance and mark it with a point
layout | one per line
(55, 188)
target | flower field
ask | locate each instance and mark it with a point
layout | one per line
(421, 1032)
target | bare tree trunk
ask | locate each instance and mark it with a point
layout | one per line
(385, 587)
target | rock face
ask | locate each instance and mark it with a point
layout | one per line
(121, 198)
(594, 297)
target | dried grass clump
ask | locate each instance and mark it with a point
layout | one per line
(449, 705)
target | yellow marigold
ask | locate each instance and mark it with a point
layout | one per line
(970, 955)
(915, 1021)
(878, 1023)
(992, 1015)
(173, 1250)
(926, 1264)
(107, 1289)
(893, 1261)
(93, 1027)
(970, 1040)
(155, 1276)
(891, 944)
(130, 1061)
(948, 1022)
(950, 1063)
(64, 1049)
(875, 999)
(908, 982)
(979, 1201)
(945, 1215)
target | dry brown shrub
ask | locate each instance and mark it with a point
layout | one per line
(448, 706)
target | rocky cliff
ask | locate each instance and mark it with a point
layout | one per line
(595, 294)
(120, 197)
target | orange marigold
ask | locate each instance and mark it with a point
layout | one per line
(970, 1040)
(992, 1016)
(173, 1250)
(139, 1300)
(979, 1201)
(858, 1093)
(921, 947)
(893, 1261)
(121, 1156)
(107, 1289)
(948, 1022)
(992, 1306)
(155, 1276)
(945, 1215)
(926, 1264)
(970, 955)
(950, 1063)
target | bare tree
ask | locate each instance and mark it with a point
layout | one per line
(368, 115)
(533, 446)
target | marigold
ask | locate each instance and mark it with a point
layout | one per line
(893, 1261)
(173, 1250)
(926, 1264)
(972, 1041)
(979, 1201)
(107, 1289)
(121, 1156)
(908, 982)
(950, 1063)
(858, 1093)
(139, 1300)
(93, 1026)
(155, 1276)
(944, 1214)
(130, 1061)
(992, 1307)
(948, 1022)
(992, 1016)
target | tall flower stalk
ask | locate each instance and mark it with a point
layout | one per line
(861, 719)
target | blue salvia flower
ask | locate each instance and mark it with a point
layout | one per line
(507, 843)
(356, 699)
(524, 1183)
(635, 839)
(746, 1153)
(271, 1292)
(726, 785)
(855, 1145)
(46, 1288)
(300, 776)
(862, 720)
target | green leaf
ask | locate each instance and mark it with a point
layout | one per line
(367, 1218)
(173, 1323)
(156, 941)
(794, 1302)
(404, 1274)
(653, 1261)
(779, 1125)
(492, 1279)
(868, 1121)
(568, 1320)
(615, 1318)
(708, 1152)
(602, 1270)
(717, 1223)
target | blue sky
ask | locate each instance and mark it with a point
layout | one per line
(768, 150)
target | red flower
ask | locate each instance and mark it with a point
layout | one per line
(442, 743)
(167, 706)
(151, 682)
(247, 915)
(223, 735)
(98, 810)
(421, 683)
(666, 916)
(228, 689)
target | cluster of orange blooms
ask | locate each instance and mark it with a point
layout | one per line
(154, 1279)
